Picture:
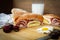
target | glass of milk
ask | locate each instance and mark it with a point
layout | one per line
(38, 8)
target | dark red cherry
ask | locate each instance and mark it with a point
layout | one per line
(8, 28)
(16, 28)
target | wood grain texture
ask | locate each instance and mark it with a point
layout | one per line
(23, 34)
(23, 4)
(52, 6)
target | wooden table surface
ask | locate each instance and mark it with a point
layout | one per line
(23, 34)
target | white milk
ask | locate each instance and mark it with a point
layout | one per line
(38, 8)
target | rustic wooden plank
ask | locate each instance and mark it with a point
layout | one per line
(23, 34)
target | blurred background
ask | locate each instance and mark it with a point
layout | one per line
(34, 6)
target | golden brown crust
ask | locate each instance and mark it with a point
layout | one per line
(16, 13)
(49, 18)
(20, 15)
(29, 16)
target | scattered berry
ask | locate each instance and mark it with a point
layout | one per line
(8, 28)
(16, 28)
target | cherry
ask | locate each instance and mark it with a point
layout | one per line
(8, 28)
(16, 28)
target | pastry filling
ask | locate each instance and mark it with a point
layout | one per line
(29, 23)
(55, 21)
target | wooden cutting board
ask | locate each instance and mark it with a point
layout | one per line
(23, 34)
